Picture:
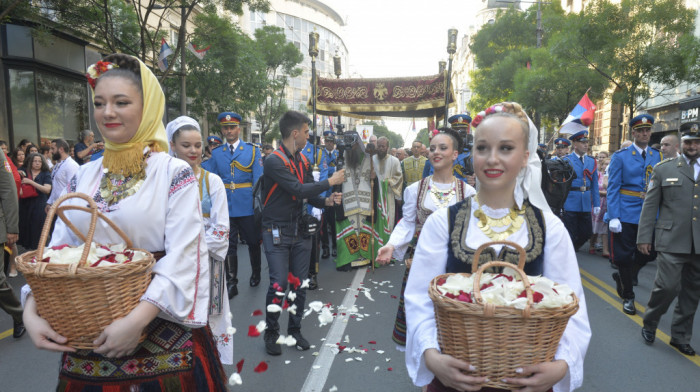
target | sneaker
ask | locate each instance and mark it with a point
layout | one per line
(302, 344)
(271, 346)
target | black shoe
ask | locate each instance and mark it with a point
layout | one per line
(344, 268)
(618, 283)
(254, 280)
(683, 348)
(302, 344)
(325, 254)
(628, 306)
(648, 335)
(18, 329)
(334, 253)
(232, 291)
(271, 346)
(313, 282)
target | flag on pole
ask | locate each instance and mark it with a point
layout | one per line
(200, 53)
(330, 122)
(580, 118)
(413, 125)
(165, 51)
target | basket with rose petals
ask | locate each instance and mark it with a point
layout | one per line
(500, 322)
(81, 290)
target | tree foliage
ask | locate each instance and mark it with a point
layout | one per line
(379, 130)
(281, 60)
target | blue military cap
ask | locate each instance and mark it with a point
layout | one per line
(229, 118)
(641, 121)
(581, 136)
(460, 121)
(214, 139)
(561, 142)
(542, 145)
(329, 135)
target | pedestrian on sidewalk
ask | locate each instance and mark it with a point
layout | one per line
(672, 210)
(509, 205)
(288, 181)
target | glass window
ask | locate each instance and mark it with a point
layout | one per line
(61, 52)
(297, 24)
(63, 111)
(23, 105)
(280, 20)
(19, 41)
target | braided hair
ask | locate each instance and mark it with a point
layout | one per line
(456, 140)
(127, 67)
(508, 110)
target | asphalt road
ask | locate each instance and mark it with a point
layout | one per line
(617, 358)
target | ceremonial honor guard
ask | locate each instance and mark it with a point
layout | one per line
(583, 193)
(328, 222)
(239, 164)
(316, 156)
(561, 148)
(674, 194)
(629, 173)
(463, 168)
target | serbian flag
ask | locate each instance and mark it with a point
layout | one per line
(197, 52)
(165, 51)
(580, 118)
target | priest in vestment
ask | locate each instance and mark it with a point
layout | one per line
(389, 181)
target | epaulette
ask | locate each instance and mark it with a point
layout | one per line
(664, 161)
(219, 146)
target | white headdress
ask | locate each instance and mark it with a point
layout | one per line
(176, 124)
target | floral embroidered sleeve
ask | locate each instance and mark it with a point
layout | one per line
(217, 225)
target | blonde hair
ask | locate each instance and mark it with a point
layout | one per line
(510, 110)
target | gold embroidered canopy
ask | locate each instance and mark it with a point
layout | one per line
(422, 96)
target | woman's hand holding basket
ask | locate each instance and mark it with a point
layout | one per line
(540, 377)
(122, 336)
(39, 330)
(451, 371)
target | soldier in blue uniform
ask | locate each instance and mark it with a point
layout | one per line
(328, 222)
(316, 156)
(628, 176)
(561, 148)
(583, 193)
(463, 168)
(239, 164)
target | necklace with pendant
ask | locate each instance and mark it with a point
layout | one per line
(513, 220)
(115, 187)
(442, 198)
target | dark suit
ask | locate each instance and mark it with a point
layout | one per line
(673, 194)
(9, 224)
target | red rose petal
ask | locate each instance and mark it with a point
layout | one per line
(372, 342)
(253, 331)
(487, 285)
(441, 281)
(257, 312)
(390, 369)
(276, 300)
(285, 305)
(239, 365)
(341, 348)
(262, 366)
(537, 297)
(393, 296)
(59, 247)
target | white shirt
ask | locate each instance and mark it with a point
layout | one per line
(696, 166)
(60, 177)
(404, 230)
(430, 260)
(233, 146)
(639, 149)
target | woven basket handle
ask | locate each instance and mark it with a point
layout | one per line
(56, 208)
(518, 248)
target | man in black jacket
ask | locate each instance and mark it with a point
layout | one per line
(288, 185)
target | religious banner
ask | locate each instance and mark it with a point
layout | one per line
(365, 131)
(422, 96)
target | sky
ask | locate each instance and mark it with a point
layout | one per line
(392, 38)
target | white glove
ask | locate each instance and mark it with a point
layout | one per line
(596, 210)
(615, 225)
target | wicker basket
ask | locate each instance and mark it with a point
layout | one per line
(498, 339)
(79, 301)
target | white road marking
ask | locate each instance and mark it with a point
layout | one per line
(324, 361)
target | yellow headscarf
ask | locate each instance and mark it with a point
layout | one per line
(127, 158)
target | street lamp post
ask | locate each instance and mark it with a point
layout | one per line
(451, 49)
(337, 70)
(313, 52)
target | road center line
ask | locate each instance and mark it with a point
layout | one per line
(324, 361)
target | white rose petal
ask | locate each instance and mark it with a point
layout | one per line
(261, 326)
(235, 379)
(333, 389)
(325, 317)
(274, 308)
(230, 330)
(376, 368)
(316, 366)
(290, 341)
(287, 362)
(305, 284)
(280, 339)
(316, 306)
(380, 351)
(292, 296)
(358, 359)
(349, 359)
(292, 309)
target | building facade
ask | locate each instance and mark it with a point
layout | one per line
(298, 18)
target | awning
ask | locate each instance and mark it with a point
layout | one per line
(422, 96)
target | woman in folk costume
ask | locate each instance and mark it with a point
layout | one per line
(185, 140)
(441, 189)
(154, 199)
(509, 205)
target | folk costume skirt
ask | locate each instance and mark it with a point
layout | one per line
(172, 358)
(437, 386)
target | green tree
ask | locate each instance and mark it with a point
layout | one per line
(231, 74)
(379, 130)
(281, 59)
(636, 45)
(422, 136)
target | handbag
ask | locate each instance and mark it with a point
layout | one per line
(27, 190)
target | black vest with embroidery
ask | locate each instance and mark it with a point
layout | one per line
(460, 256)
